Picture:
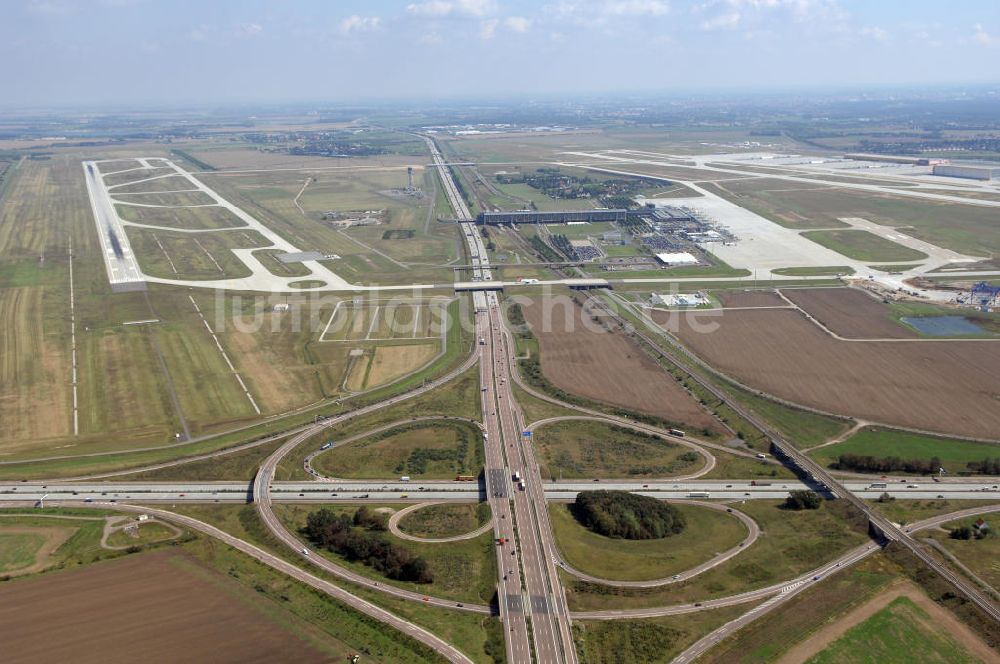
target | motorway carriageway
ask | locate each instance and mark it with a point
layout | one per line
(309, 491)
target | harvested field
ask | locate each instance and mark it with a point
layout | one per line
(749, 298)
(849, 313)
(606, 366)
(200, 615)
(947, 387)
(393, 362)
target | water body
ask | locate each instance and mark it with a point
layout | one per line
(943, 326)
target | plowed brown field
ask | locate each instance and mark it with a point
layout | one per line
(158, 607)
(607, 367)
(849, 313)
(947, 387)
(750, 298)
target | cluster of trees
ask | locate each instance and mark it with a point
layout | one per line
(880, 465)
(967, 533)
(359, 538)
(625, 515)
(803, 500)
(546, 252)
(562, 243)
(985, 467)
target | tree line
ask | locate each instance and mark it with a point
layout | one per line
(881, 465)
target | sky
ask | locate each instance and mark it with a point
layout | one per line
(177, 52)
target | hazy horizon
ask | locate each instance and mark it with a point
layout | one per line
(144, 52)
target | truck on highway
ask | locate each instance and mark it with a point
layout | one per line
(697, 494)
(465, 478)
(878, 485)
(517, 476)
(404, 478)
(676, 432)
(521, 485)
(482, 341)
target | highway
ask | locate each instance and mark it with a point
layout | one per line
(437, 490)
(529, 588)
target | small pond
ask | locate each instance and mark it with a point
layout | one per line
(942, 326)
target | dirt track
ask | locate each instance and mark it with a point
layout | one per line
(157, 607)
(849, 313)
(948, 387)
(608, 367)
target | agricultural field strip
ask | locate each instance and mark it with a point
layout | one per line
(753, 532)
(271, 560)
(225, 356)
(72, 340)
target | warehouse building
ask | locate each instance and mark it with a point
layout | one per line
(972, 171)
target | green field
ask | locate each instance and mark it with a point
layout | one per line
(18, 549)
(147, 533)
(421, 450)
(982, 556)
(586, 449)
(885, 443)
(464, 570)
(894, 635)
(790, 544)
(651, 641)
(831, 270)
(864, 246)
(448, 520)
(768, 638)
(707, 532)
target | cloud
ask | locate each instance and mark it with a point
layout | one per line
(355, 23)
(250, 29)
(875, 32)
(637, 8)
(726, 21)
(517, 23)
(488, 28)
(50, 8)
(981, 36)
(475, 8)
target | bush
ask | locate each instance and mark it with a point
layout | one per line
(625, 515)
(961, 533)
(803, 500)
